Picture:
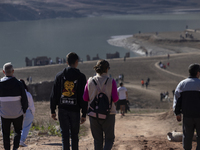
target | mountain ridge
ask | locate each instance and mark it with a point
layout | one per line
(47, 9)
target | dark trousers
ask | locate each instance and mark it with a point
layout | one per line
(6, 123)
(189, 125)
(98, 127)
(69, 121)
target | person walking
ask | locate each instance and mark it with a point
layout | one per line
(123, 97)
(107, 125)
(187, 102)
(14, 103)
(29, 116)
(142, 83)
(67, 93)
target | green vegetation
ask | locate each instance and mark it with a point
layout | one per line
(53, 129)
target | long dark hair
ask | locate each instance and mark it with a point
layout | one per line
(24, 84)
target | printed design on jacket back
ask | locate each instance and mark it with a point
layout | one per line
(69, 92)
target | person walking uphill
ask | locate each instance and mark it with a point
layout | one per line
(13, 105)
(101, 89)
(67, 93)
(187, 102)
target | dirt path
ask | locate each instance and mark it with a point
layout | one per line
(133, 132)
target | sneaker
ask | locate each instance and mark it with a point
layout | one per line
(22, 144)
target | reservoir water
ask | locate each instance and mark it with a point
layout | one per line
(85, 36)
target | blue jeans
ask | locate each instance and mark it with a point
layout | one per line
(69, 121)
(26, 125)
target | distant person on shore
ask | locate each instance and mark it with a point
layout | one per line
(187, 102)
(124, 58)
(150, 53)
(142, 83)
(164, 66)
(173, 91)
(101, 124)
(29, 116)
(161, 96)
(146, 84)
(168, 64)
(123, 97)
(168, 56)
(67, 93)
(146, 53)
(30, 79)
(161, 65)
(14, 103)
(148, 80)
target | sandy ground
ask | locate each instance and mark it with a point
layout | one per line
(135, 131)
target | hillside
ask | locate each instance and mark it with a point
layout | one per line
(37, 9)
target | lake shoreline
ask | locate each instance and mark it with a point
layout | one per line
(163, 43)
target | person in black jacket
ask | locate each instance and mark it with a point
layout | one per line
(67, 93)
(187, 102)
(13, 105)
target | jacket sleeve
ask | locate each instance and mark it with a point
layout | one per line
(55, 95)
(31, 103)
(114, 91)
(86, 93)
(177, 101)
(83, 104)
(24, 100)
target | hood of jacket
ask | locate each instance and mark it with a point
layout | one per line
(71, 73)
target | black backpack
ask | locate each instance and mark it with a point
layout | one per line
(100, 106)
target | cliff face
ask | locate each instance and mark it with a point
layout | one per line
(37, 9)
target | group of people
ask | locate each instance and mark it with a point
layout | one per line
(16, 107)
(146, 84)
(71, 92)
(163, 95)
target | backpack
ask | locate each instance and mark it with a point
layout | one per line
(68, 92)
(100, 106)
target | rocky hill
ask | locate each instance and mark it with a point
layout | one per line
(43, 9)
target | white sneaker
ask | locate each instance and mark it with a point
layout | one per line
(22, 144)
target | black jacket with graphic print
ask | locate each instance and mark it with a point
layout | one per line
(69, 74)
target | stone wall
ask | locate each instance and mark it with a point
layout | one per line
(41, 91)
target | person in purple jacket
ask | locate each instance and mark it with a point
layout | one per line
(100, 126)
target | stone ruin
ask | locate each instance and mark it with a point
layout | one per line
(43, 60)
(96, 58)
(111, 56)
(108, 56)
(88, 57)
(40, 61)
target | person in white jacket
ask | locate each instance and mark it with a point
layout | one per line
(28, 118)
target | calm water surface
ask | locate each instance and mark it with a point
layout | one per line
(57, 37)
